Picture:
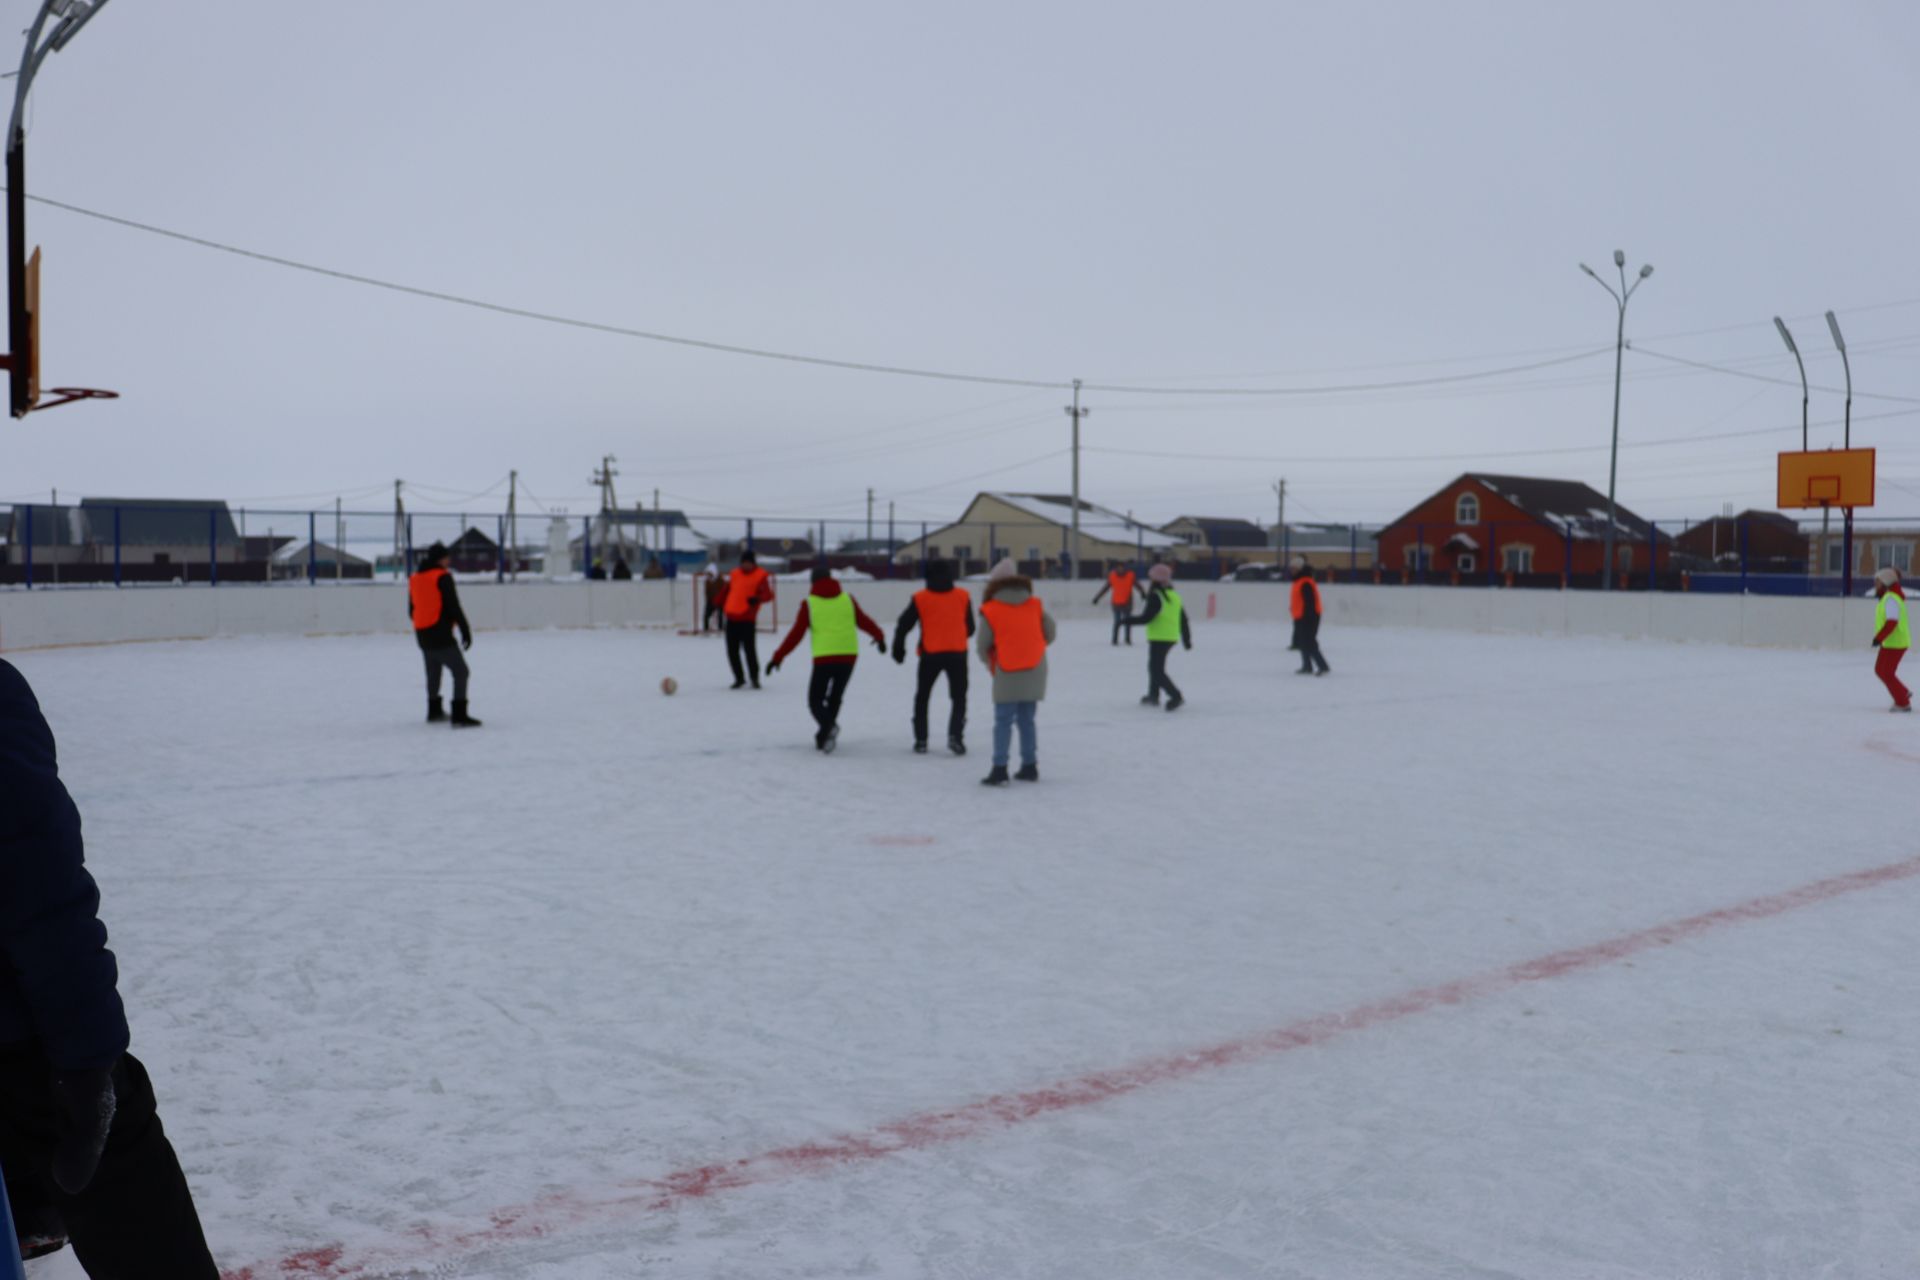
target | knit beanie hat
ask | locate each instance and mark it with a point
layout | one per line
(1002, 571)
(1161, 573)
(1887, 577)
(821, 570)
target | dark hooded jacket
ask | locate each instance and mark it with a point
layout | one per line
(939, 578)
(57, 978)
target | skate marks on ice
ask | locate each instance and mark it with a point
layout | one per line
(555, 1224)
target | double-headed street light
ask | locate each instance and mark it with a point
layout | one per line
(1620, 298)
(68, 17)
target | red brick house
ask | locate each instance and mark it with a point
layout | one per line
(1482, 527)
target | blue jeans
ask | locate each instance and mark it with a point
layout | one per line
(1005, 716)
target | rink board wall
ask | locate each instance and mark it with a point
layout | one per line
(105, 615)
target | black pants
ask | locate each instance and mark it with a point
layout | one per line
(1121, 612)
(447, 659)
(829, 685)
(1157, 651)
(1307, 637)
(135, 1220)
(743, 642)
(932, 666)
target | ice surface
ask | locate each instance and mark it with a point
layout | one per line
(486, 1004)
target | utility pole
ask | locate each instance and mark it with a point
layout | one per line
(513, 525)
(609, 508)
(399, 530)
(1280, 527)
(1075, 412)
(339, 542)
(869, 521)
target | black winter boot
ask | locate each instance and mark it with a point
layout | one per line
(920, 746)
(997, 778)
(1028, 773)
(436, 711)
(957, 745)
(461, 720)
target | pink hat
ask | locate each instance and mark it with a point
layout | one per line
(1161, 573)
(1002, 571)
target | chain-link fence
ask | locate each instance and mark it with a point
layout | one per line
(105, 542)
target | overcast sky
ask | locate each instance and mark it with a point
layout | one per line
(1204, 196)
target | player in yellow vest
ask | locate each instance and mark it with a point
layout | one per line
(1892, 634)
(1165, 619)
(835, 622)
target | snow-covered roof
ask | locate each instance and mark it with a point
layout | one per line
(1096, 521)
(296, 552)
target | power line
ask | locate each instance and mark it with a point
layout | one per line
(596, 326)
(1761, 377)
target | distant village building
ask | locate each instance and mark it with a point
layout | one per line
(1341, 547)
(1482, 524)
(644, 539)
(1762, 541)
(144, 538)
(1035, 531)
(291, 561)
(1875, 547)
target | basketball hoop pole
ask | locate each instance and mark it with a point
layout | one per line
(1620, 300)
(1846, 535)
(72, 14)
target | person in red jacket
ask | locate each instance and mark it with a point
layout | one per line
(748, 587)
(836, 622)
(1894, 635)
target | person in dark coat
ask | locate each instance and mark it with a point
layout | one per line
(85, 1156)
(944, 615)
(433, 602)
(1306, 609)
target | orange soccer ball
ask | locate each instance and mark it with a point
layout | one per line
(668, 685)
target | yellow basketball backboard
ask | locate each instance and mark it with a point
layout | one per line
(1826, 478)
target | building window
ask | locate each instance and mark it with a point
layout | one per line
(1033, 553)
(1418, 558)
(1464, 562)
(1892, 555)
(1466, 510)
(1517, 558)
(1836, 557)
(962, 552)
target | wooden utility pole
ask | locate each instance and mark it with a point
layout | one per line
(1280, 528)
(1075, 412)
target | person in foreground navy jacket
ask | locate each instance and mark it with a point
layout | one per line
(83, 1151)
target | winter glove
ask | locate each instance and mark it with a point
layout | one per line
(773, 666)
(900, 653)
(1186, 644)
(1876, 644)
(880, 646)
(466, 639)
(84, 1102)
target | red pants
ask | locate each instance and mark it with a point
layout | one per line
(1884, 666)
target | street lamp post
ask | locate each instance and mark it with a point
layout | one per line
(1846, 535)
(1620, 298)
(71, 15)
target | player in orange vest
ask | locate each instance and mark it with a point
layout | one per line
(748, 587)
(1120, 582)
(944, 614)
(1015, 630)
(434, 606)
(1306, 608)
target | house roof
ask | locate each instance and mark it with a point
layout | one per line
(1327, 537)
(295, 552)
(159, 521)
(1569, 507)
(472, 540)
(1057, 509)
(1227, 531)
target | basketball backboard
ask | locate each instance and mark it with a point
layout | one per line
(1826, 478)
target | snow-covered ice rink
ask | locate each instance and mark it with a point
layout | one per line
(1368, 976)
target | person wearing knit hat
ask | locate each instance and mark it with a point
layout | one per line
(1120, 582)
(1306, 607)
(1892, 634)
(434, 606)
(836, 623)
(748, 587)
(1015, 630)
(1165, 619)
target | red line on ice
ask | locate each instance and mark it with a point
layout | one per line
(555, 1213)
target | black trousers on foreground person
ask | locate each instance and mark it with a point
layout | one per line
(743, 643)
(1307, 639)
(1157, 651)
(135, 1220)
(447, 659)
(932, 666)
(824, 692)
